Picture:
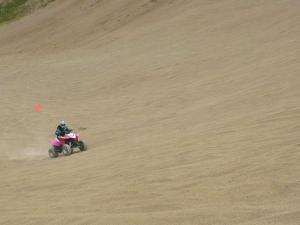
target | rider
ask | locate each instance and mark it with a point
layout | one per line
(62, 129)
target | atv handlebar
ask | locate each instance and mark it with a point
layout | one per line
(71, 130)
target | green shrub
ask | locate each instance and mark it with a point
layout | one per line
(13, 9)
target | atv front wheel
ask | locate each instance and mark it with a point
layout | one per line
(82, 146)
(52, 153)
(66, 150)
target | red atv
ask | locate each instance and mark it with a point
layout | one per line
(66, 144)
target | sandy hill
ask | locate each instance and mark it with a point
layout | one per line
(191, 110)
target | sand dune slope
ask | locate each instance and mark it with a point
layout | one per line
(190, 108)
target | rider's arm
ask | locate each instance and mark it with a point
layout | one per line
(68, 130)
(58, 133)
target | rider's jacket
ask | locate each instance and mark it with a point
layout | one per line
(61, 131)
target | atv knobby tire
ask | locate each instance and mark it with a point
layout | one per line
(82, 146)
(52, 153)
(66, 150)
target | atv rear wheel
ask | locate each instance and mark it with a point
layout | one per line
(52, 153)
(66, 150)
(82, 146)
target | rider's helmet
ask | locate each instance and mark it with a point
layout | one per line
(62, 123)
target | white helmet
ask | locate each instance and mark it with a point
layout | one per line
(62, 123)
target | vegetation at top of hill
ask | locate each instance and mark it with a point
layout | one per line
(12, 9)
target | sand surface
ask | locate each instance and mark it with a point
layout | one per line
(191, 110)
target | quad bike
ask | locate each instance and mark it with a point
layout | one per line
(66, 144)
